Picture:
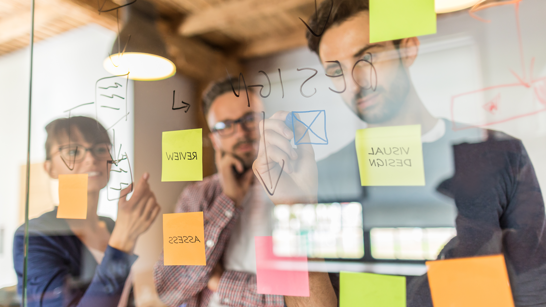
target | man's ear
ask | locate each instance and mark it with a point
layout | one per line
(49, 170)
(409, 48)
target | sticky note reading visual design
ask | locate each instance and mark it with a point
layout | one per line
(182, 155)
(184, 239)
(470, 282)
(390, 156)
(365, 289)
(72, 196)
(279, 275)
(397, 19)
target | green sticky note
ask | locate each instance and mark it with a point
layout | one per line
(396, 19)
(372, 290)
(182, 155)
(390, 156)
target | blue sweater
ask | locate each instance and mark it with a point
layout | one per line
(62, 271)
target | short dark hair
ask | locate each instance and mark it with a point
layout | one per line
(92, 131)
(218, 88)
(342, 10)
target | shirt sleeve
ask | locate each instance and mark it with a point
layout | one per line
(178, 284)
(240, 289)
(49, 280)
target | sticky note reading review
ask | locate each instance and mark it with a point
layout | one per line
(182, 155)
(390, 156)
(72, 196)
(396, 19)
(279, 275)
(470, 282)
(365, 289)
(184, 239)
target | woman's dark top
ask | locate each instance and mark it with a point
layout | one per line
(62, 271)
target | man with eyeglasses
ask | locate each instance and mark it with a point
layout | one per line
(234, 207)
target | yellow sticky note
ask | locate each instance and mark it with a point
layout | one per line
(390, 156)
(397, 19)
(470, 282)
(182, 155)
(72, 196)
(184, 239)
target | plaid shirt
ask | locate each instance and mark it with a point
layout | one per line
(178, 285)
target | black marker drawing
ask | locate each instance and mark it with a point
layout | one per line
(120, 171)
(301, 87)
(282, 86)
(110, 95)
(186, 105)
(268, 170)
(112, 9)
(325, 22)
(239, 86)
(342, 75)
(262, 87)
(373, 72)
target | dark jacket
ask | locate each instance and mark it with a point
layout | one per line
(62, 271)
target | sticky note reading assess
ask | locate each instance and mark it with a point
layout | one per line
(470, 282)
(374, 290)
(396, 19)
(184, 239)
(390, 156)
(72, 196)
(279, 275)
(182, 155)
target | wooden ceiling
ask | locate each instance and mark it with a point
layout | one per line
(203, 37)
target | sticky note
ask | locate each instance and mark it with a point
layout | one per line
(279, 275)
(72, 196)
(390, 156)
(396, 19)
(470, 282)
(182, 155)
(374, 290)
(184, 239)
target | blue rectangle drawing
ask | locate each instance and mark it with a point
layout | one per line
(314, 123)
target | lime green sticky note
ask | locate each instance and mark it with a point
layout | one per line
(390, 156)
(396, 19)
(372, 290)
(182, 155)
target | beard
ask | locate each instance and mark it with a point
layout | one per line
(393, 99)
(247, 158)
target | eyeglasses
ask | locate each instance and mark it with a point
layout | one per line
(226, 128)
(75, 153)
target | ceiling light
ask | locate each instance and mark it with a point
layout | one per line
(139, 49)
(448, 6)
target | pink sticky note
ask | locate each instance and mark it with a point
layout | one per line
(279, 275)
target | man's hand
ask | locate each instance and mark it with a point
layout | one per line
(215, 275)
(235, 188)
(298, 181)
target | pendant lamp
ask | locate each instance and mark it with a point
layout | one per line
(448, 6)
(145, 55)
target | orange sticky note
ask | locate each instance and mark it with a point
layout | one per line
(72, 196)
(470, 282)
(184, 239)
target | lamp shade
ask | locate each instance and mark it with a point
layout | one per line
(145, 56)
(448, 6)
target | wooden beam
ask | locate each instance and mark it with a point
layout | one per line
(199, 61)
(273, 44)
(232, 12)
